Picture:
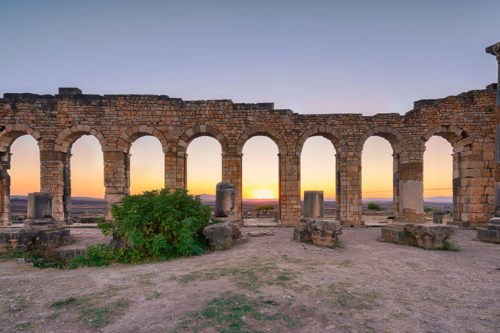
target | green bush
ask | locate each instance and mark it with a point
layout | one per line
(428, 209)
(264, 207)
(373, 206)
(154, 225)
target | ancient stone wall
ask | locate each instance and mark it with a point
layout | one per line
(467, 121)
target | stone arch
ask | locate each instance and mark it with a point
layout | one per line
(11, 132)
(202, 130)
(324, 131)
(451, 133)
(135, 132)
(391, 134)
(68, 136)
(270, 132)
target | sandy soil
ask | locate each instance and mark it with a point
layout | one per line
(269, 283)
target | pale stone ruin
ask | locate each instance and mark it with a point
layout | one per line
(313, 204)
(468, 121)
(225, 198)
(40, 232)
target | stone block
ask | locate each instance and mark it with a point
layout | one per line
(19, 240)
(221, 236)
(318, 231)
(437, 216)
(225, 199)
(39, 205)
(427, 236)
(491, 233)
(313, 204)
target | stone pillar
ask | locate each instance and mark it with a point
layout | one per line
(67, 186)
(314, 204)
(495, 50)
(232, 173)
(289, 189)
(395, 183)
(225, 200)
(116, 178)
(411, 190)
(5, 188)
(52, 180)
(349, 207)
(457, 188)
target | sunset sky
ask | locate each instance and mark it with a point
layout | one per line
(313, 57)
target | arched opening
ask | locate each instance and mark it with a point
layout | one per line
(377, 187)
(260, 173)
(147, 165)
(87, 180)
(438, 177)
(24, 175)
(317, 171)
(204, 168)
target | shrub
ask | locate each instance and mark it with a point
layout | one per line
(373, 206)
(428, 209)
(264, 207)
(155, 225)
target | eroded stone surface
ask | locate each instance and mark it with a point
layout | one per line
(318, 231)
(427, 236)
(225, 197)
(491, 233)
(17, 240)
(221, 236)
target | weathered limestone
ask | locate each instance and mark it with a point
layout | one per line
(225, 198)
(491, 233)
(313, 204)
(221, 236)
(18, 240)
(468, 121)
(320, 232)
(437, 216)
(39, 205)
(427, 236)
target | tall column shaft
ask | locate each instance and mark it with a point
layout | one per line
(495, 50)
(52, 166)
(232, 173)
(116, 178)
(349, 207)
(289, 189)
(5, 188)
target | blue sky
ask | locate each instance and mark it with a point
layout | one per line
(310, 56)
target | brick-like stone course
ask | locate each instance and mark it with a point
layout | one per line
(467, 121)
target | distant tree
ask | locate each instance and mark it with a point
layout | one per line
(373, 206)
(264, 207)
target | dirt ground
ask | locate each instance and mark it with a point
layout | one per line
(268, 284)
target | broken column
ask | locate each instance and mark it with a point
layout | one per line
(39, 210)
(313, 204)
(437, 216)
(225, 200)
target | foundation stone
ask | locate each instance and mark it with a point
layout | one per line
(320, 232)
(221, 236)
(427, 236)
(491, 233)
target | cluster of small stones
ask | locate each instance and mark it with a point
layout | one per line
(467, 121)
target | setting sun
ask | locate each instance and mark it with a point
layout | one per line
(263, 193)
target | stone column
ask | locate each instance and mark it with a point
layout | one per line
(52, 180)
(116, 178)
(5, 188)
(232, 173)
(67, 186)
(457, 188)
(395, 183)
(411, 190)
(289, 189)
(495, 50)
(349, 207)
(314, 204)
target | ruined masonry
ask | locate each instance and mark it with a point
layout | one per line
(467, 121)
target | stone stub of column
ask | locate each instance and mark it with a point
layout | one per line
(39, 205)
(313, 204)
(39, 210)
(225, 199)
